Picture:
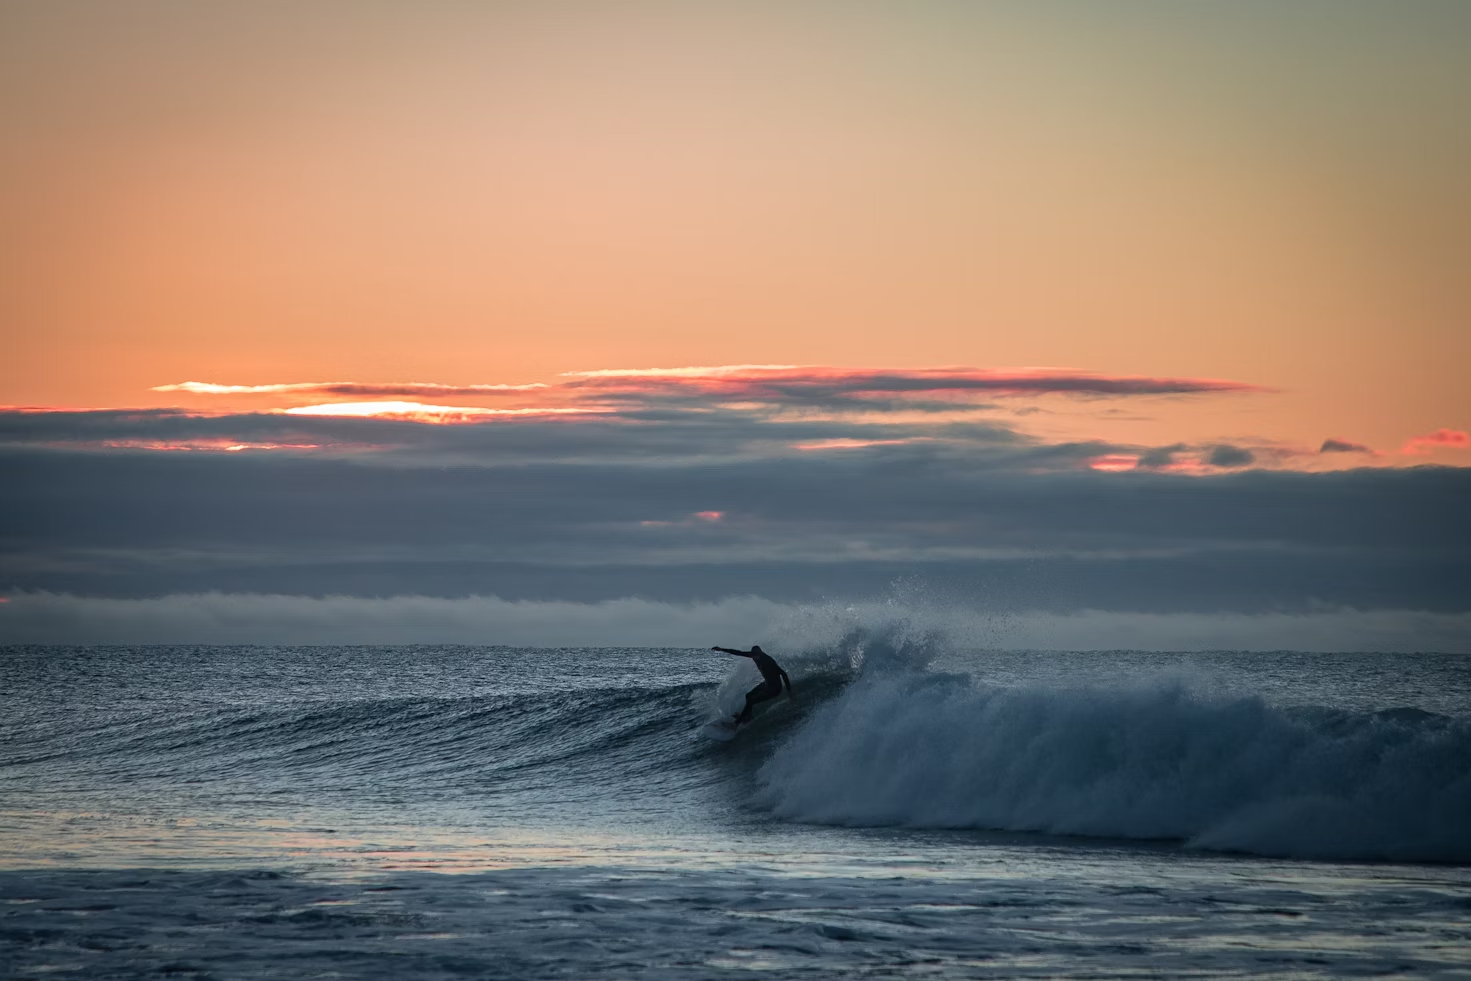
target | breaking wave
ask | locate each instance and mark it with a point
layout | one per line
(1157, 761)
(878, 734)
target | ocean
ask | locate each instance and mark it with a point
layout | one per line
(917, 809)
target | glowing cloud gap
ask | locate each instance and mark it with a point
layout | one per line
(202, 445)
(846, 443)
(346, 388)
(1114, 463)
(420, 412)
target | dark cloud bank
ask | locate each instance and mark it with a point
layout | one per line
(594, 511)
(823, 525)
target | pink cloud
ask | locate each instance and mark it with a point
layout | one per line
(1441, 439)
(842, 443)
(1114, 462)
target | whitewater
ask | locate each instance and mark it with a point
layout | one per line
(921, 807)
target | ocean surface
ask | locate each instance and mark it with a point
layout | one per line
(916, 810)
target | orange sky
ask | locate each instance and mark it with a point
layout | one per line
(263, 193)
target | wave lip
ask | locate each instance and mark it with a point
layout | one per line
(1161, 762)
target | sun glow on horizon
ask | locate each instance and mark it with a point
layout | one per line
(1114, 462)
(219, 445)
(424, 412)
(847, 443)
(344, 388)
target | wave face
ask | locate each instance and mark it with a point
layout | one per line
(878, 734)
(1155, 761)
(433, 749)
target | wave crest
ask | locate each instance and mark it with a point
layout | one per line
(1160, 761)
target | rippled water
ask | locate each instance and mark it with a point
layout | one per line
(914, 809)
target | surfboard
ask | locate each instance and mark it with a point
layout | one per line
(720, 730)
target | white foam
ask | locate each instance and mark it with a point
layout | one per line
(1137, 761)
(1069, 916)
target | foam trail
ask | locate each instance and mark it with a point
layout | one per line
(1154, 761)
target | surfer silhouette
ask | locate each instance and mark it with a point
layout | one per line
(772, 677)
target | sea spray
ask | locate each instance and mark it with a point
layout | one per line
(825, 647)
(1143, 761)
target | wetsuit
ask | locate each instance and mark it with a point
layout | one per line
(772, 677)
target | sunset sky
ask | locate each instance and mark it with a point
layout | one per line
(1136, 307)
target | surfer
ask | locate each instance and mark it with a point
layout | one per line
(772, 677)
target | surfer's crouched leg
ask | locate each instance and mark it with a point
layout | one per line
(763, 691)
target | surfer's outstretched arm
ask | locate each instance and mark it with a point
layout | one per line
(727, 650)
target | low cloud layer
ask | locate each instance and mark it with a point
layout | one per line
(213, 618)
(693, 485)
(568, 518)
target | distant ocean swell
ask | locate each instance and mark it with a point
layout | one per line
(1232, 774)
(468, 745)
(872, 739)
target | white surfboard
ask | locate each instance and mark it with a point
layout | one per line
(720, 730)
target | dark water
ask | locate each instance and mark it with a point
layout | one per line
(913, 810)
